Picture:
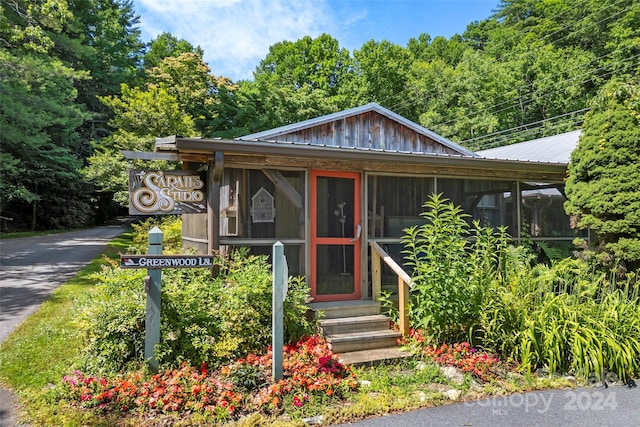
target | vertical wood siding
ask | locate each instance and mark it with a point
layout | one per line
(367, 130)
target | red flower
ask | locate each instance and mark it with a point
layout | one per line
(297, 402)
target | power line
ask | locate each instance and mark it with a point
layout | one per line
(407, 101)
(526, 99)
(570, 121)
(518, 100)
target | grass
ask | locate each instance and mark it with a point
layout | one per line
(47, 346)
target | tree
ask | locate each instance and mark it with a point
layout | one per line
(300, 80)
(39, 117)
(139, 117)
(381, 75)
(604, 173)
(39, 161)
(167, 45)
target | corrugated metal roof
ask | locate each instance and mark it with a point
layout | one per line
(536, 170)
(273, 134)
(550, 149)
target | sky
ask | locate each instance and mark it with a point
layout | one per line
(236, 34)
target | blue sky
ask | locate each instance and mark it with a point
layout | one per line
(236, 34)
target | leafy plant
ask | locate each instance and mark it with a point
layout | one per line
(171, 226)
(453, 265)
(203, 320)
(566, 317)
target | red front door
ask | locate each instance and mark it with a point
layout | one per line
(335, 235)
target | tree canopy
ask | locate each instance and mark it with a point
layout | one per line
(529, 70)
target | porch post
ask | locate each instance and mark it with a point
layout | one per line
(214, 176)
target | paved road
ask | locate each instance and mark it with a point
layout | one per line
(581, 407)
(31, 268)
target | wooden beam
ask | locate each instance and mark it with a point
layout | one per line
(214, 176)
(145, 155)
(557, 175)
(281, 182)
(376, 276)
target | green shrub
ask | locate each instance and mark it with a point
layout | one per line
(112, 320)
(202, 319)
(171, 226)
(453, 265)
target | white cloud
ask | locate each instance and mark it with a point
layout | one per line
(234, 34)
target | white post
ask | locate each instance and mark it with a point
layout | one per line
(279, 292)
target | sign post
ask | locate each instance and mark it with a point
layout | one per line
(280, 277)
(154, 262)
(152, 319)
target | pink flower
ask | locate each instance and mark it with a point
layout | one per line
(297, 402)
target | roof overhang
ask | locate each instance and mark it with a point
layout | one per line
(196, 148)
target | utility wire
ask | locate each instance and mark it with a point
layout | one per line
(519, 99)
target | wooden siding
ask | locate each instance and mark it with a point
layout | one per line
(194, 232)
(367, 130)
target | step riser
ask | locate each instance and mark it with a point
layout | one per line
(368, 344)
(355, 327)
(336, 313)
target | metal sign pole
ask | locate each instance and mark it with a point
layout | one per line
(153, 284)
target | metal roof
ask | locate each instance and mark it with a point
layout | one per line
(312, 151)
(550, 149)
(273, 134)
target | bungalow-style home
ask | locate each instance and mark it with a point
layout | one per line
(338, 190)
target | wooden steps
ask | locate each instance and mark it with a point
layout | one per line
(357, 332)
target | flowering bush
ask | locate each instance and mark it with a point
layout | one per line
(310, 369)
(460, 355)
(184, 389)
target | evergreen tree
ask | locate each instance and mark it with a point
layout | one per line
(603, 189)
(41, 186)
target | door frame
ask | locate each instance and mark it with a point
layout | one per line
(315, 240)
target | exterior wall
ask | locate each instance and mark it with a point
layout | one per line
(367, 130)
(194, 232)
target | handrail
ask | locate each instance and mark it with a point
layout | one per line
(404, 283)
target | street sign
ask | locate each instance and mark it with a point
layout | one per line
(166, 261)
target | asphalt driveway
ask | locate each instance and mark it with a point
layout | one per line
(33, 267)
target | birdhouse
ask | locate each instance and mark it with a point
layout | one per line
(263, 206)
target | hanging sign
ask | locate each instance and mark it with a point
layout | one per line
(166, 192)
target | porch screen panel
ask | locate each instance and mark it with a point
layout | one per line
(493, 203)
(258, 204)
(543, 214)
(293, 252)
(394, 203)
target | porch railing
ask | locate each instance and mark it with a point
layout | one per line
(404, 283)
